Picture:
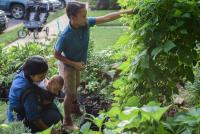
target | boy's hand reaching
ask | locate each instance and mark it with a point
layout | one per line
(132, 11)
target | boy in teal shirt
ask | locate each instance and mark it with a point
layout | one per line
(71, 49)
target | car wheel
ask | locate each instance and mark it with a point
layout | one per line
(17, 11)
(2, 28)
(63, 4)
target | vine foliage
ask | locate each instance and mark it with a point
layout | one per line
(162, 47)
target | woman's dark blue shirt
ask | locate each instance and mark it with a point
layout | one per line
(31, 107)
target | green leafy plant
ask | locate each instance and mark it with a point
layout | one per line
(13, 57)
(184, 122)
(165, 33)
(131, 119)
(193, 89)
(159, 50)
(98, 121)
(97, 62)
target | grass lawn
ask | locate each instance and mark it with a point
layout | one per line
(105, 36)
(10, 36)
(55, 15)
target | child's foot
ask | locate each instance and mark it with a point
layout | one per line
(70, 126)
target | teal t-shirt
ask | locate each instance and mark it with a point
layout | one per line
(73, 43)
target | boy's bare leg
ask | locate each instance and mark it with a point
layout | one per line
(70, 94)
(75, 106)
(67, 114)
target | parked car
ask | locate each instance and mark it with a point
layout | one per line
(17, 8)
(3, 21)
(54, 5)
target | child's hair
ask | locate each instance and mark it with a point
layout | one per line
(35, 65)
(57, 81)
(73, 8)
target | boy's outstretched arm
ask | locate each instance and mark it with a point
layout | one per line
(113, 16)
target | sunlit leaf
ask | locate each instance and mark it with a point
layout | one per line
(132, 101)
(156, 112)
(177, 13)
(114, 111)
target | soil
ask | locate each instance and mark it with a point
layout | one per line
(93, 102)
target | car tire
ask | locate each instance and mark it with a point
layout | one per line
(1, 30)
(63, 4)
(17, 11)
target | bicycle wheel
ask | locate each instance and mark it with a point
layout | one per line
(36, 34)
(47, 31)
(22, 33)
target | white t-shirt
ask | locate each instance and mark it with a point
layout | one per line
(43, 84)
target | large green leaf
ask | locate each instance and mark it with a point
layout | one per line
(128, 113)
(99, 120)
(155, 112)
(112, 124)
(156, 51)
(119, 83)
(114, 111)
(125, 66)
(168, 46)
(108, 131)
(118, 92)
(85, 128)
(132, 101)
(144, 61)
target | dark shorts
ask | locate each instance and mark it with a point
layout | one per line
(48, 116)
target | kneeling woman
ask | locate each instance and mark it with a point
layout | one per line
(29, 110)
